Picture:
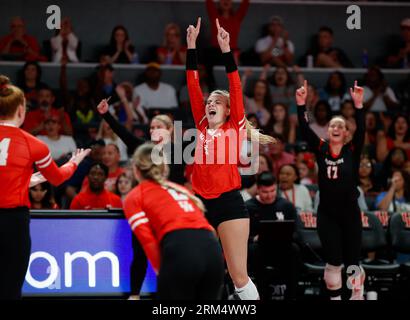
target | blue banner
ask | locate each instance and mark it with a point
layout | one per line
(81, 257)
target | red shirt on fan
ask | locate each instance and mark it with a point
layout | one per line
(87, 200)
(232, 24)
(210, 180)
(153, 210)
(36, 117)
(19, 150)
(109, 184)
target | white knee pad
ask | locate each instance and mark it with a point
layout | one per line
(333, 277)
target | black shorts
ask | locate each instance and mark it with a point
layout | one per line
(192, 266)
(228, 206)
(15, 246)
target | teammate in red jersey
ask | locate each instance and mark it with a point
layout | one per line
(216, 180)
(19, 151)
(177, 239)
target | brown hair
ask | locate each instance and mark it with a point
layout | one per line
(10, 98)
(155, 172)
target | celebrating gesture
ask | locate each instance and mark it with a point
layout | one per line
(357, 95)
(192, 33)
(223, 38)
(301, 94)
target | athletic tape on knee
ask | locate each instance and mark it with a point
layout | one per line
(333, 277)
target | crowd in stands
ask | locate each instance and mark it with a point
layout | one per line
(66, 119)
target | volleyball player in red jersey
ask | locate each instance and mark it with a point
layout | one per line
(217, 183)
(19, 151)
(177, 239)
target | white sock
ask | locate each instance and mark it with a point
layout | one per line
(336, 298)
(248, 292)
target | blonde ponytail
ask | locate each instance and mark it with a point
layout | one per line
(251, 133)
(156, 172)
(254, 134)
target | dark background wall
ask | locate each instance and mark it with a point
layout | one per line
(94, 19)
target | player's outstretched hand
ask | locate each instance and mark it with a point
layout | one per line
(223, 38)
(192, 34)
(79, 155)
(103, 106)
(301, 94)
(357, 95)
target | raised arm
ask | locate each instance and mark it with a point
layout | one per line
(358, 138)
(312, 139)
(237, 112)
(130, 140)
(194, 89)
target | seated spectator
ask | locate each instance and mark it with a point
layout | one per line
(282, 88)
(397, 198)
(111, 158)
(104, 84)
(73, 185)
(259, 102)
(267, 205)
(325, 54)
(123, 109)
(374, 132)
(398, 135)
(105, 133)
(248, 190)
(395, 160)
(277, 154)
(276, 49)
(96, 196)
(229, 19)
(172, 51)
(41, 197)
(335, 91)
(34, 122)
(399, 56)
(81, 108)
(18, 45)
(403, 94)
(254, 121)
(29, 80)
(305, 173)
(406, 167)
(61, 146)
(124, 185)
(280, 123)
(154, 94)
(312, 98)
(65, 44)
(367, 181)
(322, 114)
(378, 96)
(348, 111)
(291, 189)
(120, 49)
